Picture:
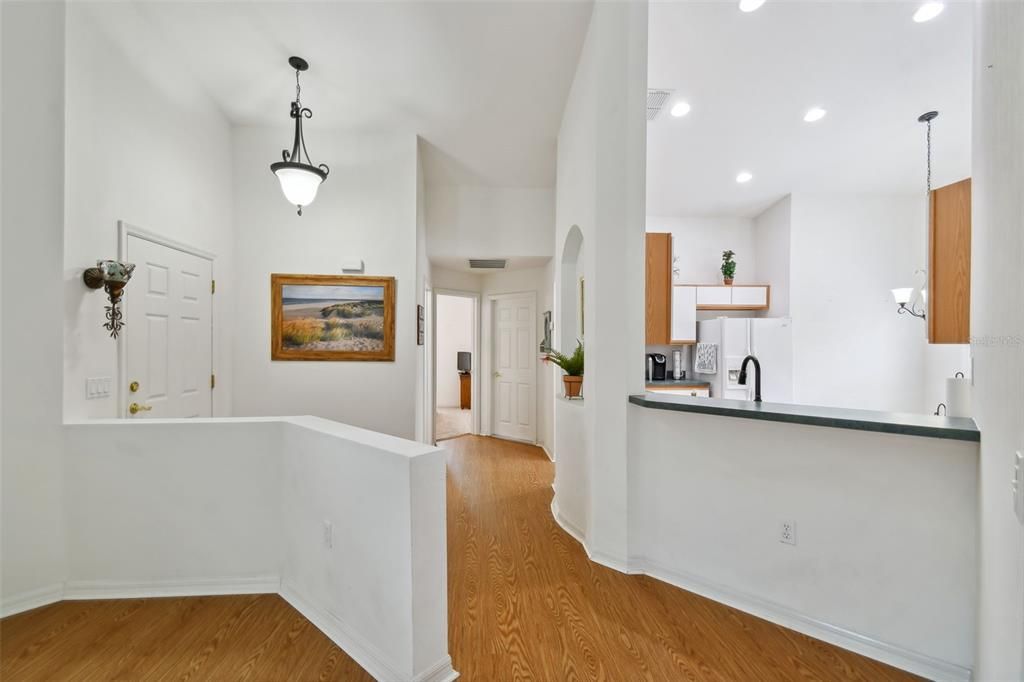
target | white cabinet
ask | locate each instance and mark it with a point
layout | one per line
(709, 296)
(755, 297)
(684, 314)
(738, 297)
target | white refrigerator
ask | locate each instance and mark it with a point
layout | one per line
(769, 339)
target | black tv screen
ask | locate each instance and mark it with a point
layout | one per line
(465, 361)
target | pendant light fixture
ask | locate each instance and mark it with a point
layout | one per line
(907, 297)
(299, 181)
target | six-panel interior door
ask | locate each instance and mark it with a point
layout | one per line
(168, 332)
(515, 368)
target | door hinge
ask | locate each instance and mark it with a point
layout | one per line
(213, 381)
(213, 286)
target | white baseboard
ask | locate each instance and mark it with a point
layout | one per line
(441, 671)
(32, 599)
(190, 587)
(361, 651)
(894, 655)
(900, 657)
(577, 534)
(546, 451)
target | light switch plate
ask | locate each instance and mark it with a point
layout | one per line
(98, 387)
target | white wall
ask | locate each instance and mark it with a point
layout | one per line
(365, 210)
(600, 189)
(482, 222)
(152, 504)
(164, 510)
(885, 554)
(32, 554)
(147, 145)
(455, 326)
(997, 327)
(850, 348)
(771, 254)
(698, 243)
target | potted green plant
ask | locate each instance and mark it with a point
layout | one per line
(572, 365)
(728, 266)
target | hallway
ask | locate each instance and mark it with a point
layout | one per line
(525, 602)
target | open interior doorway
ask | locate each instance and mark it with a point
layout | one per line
(456, 363)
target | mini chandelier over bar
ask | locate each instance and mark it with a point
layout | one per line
(299, 181)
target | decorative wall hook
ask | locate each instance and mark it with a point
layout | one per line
(112, 275)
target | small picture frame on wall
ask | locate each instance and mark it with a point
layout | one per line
(332, 317)
(419, 325)
(545, 344)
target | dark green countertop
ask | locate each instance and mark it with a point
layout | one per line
(955, 428)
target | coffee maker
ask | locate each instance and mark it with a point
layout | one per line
(656, 364)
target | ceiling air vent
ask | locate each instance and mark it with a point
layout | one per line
(655, 101)
(487, 263)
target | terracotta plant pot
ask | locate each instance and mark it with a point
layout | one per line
(573, 386)
(727, 280)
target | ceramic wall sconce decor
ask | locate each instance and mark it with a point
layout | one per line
(112, 275)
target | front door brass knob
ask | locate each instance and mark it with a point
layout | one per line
(133, 387)
(135, 408)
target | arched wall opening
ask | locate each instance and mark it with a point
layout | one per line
(571, 283)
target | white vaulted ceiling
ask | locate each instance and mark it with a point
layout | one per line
(750, 77)
(484, 83)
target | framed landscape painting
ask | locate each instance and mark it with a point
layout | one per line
(332, 317)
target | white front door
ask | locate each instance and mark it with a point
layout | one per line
(168, 332)
(515, 368)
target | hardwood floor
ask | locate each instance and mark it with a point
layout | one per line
(248, 637)
(525, 603)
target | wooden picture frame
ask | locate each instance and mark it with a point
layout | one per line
(332, 317)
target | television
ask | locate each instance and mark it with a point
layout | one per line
(465, 362)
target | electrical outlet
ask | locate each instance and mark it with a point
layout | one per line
(1017, 485)
(787, 532)
(328, 534)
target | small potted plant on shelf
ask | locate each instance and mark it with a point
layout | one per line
(572, 365)
(728, 266)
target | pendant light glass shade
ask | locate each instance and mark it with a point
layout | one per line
(298, 184)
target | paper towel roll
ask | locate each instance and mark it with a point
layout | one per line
(958, 397)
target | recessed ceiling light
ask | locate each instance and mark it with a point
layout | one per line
(928, 11)
(680, 109)
(743, 177)
(750, 5)
(814, 114)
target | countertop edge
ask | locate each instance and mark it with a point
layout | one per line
(703, 406)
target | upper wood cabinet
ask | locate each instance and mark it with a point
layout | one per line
(949, 270)
(659, 288)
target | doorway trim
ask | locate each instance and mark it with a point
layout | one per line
(488, 341)
(475, 377)
(125, 230)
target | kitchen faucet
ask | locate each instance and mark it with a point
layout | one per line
(757, 376)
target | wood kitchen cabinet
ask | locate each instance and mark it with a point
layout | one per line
(949, 269)
(659, 288)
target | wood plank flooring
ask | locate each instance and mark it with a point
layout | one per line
(525, 603)
(247, 637)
